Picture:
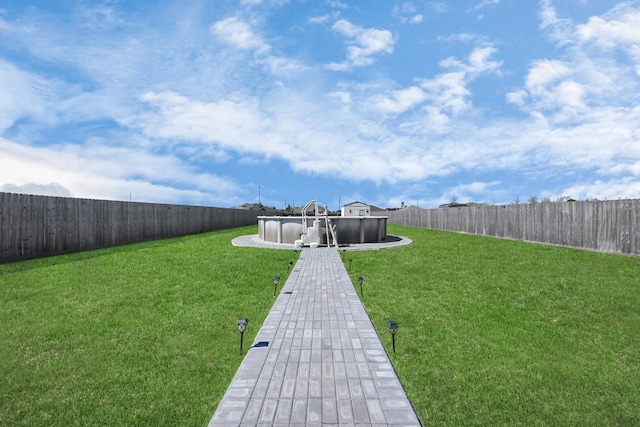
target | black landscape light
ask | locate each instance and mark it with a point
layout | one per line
(344, 252)
(290, 265)
(350, 262)
(242, 324)
(360, 280)
(276, 280)
(295, 253)
(393, 328)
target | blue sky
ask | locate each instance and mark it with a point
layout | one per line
(224, 102)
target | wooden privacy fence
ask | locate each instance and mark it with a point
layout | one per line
(608, 226)
(35, 226)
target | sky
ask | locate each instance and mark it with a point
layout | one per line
(224, 102)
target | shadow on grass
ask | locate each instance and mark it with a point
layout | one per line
(45, 261)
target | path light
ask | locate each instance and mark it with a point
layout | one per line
(360, 279)
(276, 280)
(290, 265)
(344, 252)
(295, 253)
(242, 324)
(350, 261)
(393, 328)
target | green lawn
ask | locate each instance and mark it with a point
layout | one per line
(498, 332)
(136, 335)
(492, 332)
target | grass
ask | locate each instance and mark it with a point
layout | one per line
(498, 332)
(136, 335)
(492, 332)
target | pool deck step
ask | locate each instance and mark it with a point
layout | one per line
(317, 359)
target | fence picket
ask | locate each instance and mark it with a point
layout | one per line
(609, 226)
(34, 226)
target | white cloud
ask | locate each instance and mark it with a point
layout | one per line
(343, 97)
(559, 29)
(618, 28)
(545, 72)
(446, 94)
(51, 189)
(194, 99)
(625, 188)
(108, 172)
(232, 123)
(97, 16)
(486, 3)
(407, 13)
(295, 132)
(571, 94)
(337, 4)
(406, 8)
(590, 78)
(239, 33)
(462, 37)
(548, 86)
(363, 44)
(436, 120)
(13, 28)
(438, 7)
(469, 192)
(399, 101)
(22, 95)
(518, 97)
(614, 31)
(285, 67)
(323, 19)
(478, 61)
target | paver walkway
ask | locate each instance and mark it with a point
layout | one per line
(317, 359)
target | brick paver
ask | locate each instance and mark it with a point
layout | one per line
(317, 359)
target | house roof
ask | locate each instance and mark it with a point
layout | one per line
(453, 205)
(355, 203)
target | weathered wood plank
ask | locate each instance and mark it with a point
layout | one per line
(33, 226)
(610, 226)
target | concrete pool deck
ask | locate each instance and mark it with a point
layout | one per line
(256, 242)
(317, 359)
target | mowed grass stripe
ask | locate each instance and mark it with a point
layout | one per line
(499, 332)
(492, 332)
(136, 335)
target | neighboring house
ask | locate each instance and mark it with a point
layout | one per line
(462, 205)
(356, 209)
(453, 205)
(412, 208)
(256, 207)
(249, 206)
